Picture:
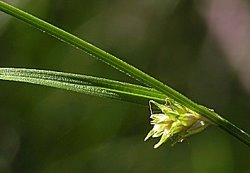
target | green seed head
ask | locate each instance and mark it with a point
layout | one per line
(174, 121)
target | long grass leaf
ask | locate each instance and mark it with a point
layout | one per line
(83, 84)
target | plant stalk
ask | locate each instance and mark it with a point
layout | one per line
(125, 68)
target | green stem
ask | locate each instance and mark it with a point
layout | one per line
(84, 84)
(126, 68)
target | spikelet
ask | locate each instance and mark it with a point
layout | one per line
(174, 121)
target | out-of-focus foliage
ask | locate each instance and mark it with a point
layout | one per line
(190, 45)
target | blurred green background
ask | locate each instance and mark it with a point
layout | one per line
(200, 48)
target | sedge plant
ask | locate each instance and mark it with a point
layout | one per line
(174, 116)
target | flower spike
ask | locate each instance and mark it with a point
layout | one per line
(174, 122)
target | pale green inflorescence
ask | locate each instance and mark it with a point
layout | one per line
(174, 121)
